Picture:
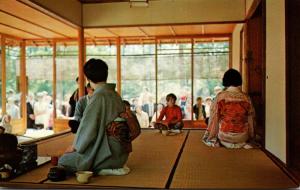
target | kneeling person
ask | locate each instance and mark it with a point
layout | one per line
(93, 148)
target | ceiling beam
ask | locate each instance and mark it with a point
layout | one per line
(202, 29)
(143, 31)
(195, 36)
(172, 30)
(90, 35)
(10, 36)
(107, 29)
(35, 24)
(31, 33)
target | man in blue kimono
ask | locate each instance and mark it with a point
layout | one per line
(93, 149)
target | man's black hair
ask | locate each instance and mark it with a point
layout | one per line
(126, 103)
(96, 70)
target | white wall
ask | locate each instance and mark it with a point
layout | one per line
(163, 12)
(236, 46)
(275, 82)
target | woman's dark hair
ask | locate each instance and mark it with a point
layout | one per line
(171, 95)
(126, 103)
(232, 78)
(88, 85)
(96, 70)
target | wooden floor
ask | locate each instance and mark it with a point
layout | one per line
(179, 161)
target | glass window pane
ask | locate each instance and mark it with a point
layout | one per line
(138, 79)
(39, 75)
(13, 81)
(108, 54)
(174, 75)
(211, 60)
(66, 74)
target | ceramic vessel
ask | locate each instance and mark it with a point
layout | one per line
(83, 176)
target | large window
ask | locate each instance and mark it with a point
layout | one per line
(210, 63)
(39, 76)
(66, 74)
(211, 60)
(13, 80)
(142, 73)
(108, 54)
(174, 74)
(138, 78)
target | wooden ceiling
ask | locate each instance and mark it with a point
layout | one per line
(102, 1)
(25, 22)
(160, 31)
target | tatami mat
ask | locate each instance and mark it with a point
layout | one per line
(151, 162)
(201, 166)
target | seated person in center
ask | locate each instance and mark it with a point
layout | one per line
(232, 115)
(172, 114)
(199, 110)
(95, 149)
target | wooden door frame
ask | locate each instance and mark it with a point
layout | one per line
(250, 15)
(292, 101)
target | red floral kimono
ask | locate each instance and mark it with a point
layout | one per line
(231, 120)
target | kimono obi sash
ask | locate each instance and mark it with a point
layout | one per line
(233, 116)
(120, 130)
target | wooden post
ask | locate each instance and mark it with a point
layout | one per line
(84, 51)
(156, 83)
(119, 66)
(81, 61)
(192, 76)
(230, 52)
(54, 78)
(23, 86)
(3, 58)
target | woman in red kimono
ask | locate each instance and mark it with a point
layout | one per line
(232, 115)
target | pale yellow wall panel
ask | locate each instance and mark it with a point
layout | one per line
(236, 47)
(275, 82)
(163, 12)
(69, 9)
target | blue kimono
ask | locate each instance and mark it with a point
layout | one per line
(80, 107)
(95, 150)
